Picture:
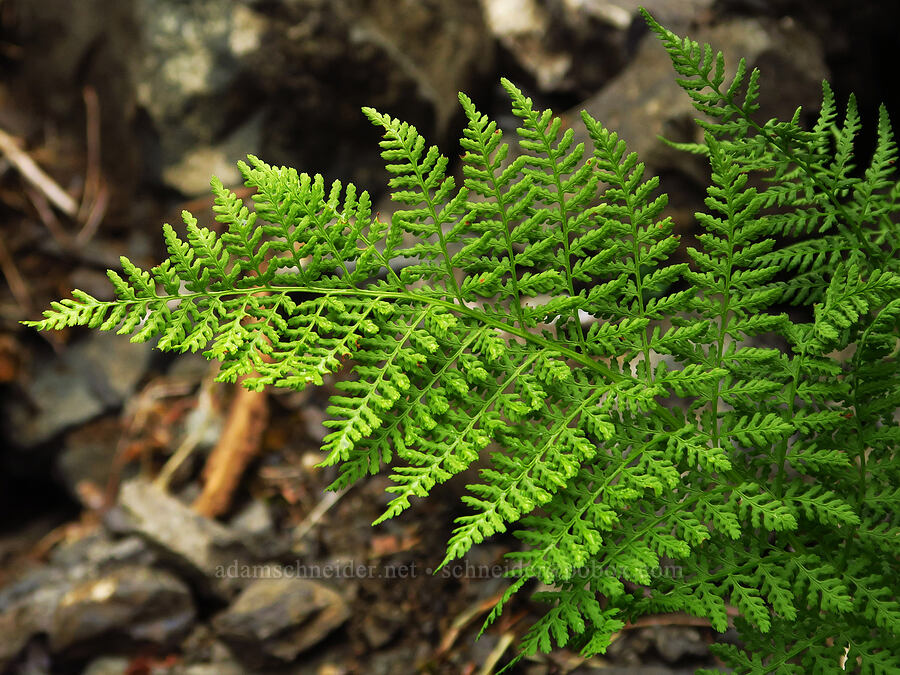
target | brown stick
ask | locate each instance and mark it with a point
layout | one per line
(92, 152)
(94, 216)
(51, 222)
(240, 442)
(35, 175)
(14, 278)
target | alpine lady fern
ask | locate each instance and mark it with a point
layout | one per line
(533, 318)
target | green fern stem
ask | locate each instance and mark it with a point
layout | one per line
(415, 488)
(637, 253)
(724, 308)
(860, 453)
(462, 309)
(782, 449)
(567, 260)
(451, 275)
(507, 235)
(534, 118)
(429, 201)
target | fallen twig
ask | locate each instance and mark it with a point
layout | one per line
(677, 619)
(92, 153)
(35, 175)
(14, 279)
(314, 516)
(135, 420)
(464, 619)
(51, 222)
(94, 216)
(239, 443)
(497, 653)
(192, 438)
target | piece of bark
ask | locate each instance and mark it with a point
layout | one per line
(239, 443)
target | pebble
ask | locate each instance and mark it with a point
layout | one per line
(275, 620)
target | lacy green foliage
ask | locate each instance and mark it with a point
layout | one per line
(533, 319)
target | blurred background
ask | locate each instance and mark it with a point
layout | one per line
(113, 116)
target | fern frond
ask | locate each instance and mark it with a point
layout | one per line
(630, 413)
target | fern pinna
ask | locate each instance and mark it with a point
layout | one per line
(533, 318)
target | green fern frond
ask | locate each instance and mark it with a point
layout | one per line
(536, 322)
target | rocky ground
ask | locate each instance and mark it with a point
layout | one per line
(115, 558)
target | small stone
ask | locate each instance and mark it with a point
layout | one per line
(400, 660)
(203, 548)
(26, 609)
(254, 525)
(537, 669)
(331, 669)
(140, 603)
(88, 456)
(522, 26)
(253, 519)
(61, 400)
(97, 552)
(274, 620)
(381, 623)
(107, 665)
(218, 668)
(92, 376)
(674, 14)
(550, 38)
(113, 366)
(676, 642)
(190, 175)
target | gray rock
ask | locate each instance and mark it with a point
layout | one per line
(210, 81)
(521, 26)
(254, 525)
(92, 376)
(145, 605)
(254, 519)
(200, 547)
(29, 605)
(113, 366)
(398, 660)
(36, 660)
(26, 609)
(644, 100)
(274, 620)
(676, 642)
(88, 457)
(674, 14)
(107, 665)
(382, 622)
(218, 668)
(61, 399)
(98, 553)
(577, 45)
